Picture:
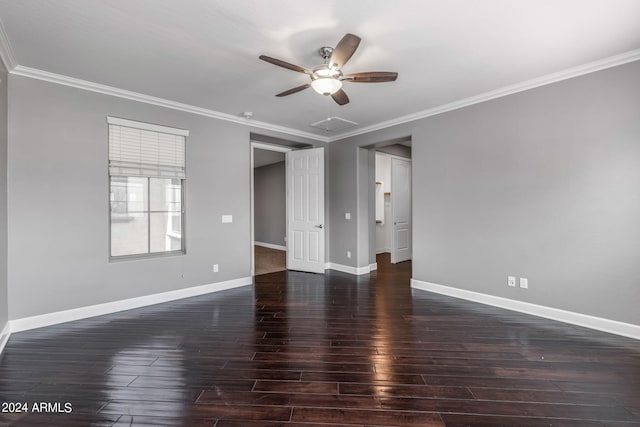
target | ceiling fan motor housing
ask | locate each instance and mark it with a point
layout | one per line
(326, 52)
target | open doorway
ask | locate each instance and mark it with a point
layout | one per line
(268, 208)
(287, 207)
(393, 221)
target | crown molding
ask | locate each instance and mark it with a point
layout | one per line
(7, 56)
(6, 53)
(60, 79)
(568, 73)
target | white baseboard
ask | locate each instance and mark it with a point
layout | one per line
(4, 336)
(348, 269)
(383, 251)
(55, 318)
(606, 325)
(270, 246)
(373, 266)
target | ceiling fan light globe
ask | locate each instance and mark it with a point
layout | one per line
(326, 85)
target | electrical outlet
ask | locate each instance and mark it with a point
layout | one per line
(511, 281)
(215, 268)
(524, 283)
(348, 254)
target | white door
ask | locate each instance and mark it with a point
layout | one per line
(400, 210)
(305, 210)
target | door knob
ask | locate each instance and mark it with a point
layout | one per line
(319, 226)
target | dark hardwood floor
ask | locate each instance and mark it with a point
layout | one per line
(307, 350)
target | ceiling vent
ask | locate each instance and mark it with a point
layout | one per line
(334, 124)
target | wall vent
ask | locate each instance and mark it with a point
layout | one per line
(334, 124)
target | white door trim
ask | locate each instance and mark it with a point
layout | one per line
(261, 146)
(270, 147)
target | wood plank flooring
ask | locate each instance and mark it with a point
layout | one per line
(304, 350)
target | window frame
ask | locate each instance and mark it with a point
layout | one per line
(148, 212)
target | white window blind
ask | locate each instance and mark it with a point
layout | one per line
(142, 149)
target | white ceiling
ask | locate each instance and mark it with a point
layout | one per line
(205, 53)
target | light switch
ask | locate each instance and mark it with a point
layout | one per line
(347, 215)
(227, 219)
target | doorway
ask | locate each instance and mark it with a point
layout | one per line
(268, 208)
(393, 221)
(287, 208)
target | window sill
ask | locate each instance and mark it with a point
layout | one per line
(138, 257)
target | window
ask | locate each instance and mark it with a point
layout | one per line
(146, 180)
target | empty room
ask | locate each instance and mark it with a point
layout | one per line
(343, 213)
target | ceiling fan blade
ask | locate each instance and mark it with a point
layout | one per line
(344, 50)
(371, 77)
(294, 90)
(284, 64)
(340, 97)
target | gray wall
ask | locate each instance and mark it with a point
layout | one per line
(58, 201)
(270, 204)
(371, 190)
(4, 310)
(366, 202)
(342, 183)
(541, 184)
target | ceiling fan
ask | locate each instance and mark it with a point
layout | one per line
(327, 78)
